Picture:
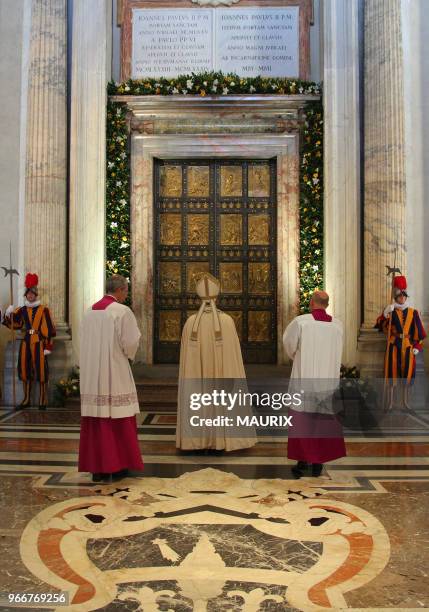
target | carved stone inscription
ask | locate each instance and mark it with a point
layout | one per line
(250, 41)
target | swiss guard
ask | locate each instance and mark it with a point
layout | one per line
(35, 320)
(405, 332)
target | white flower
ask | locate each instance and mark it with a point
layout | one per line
(252, 89)
(124, 245)
(215, 82)
(189, 84)
(301, 89)
(118, 138)
(273, 86)
(225, 91)
(123, 202)
(123, 155)
(118, 112)
(315, 181)
(232, 84)
(185, 91)
(214, 89)
(175, 90)
(315, 268)
(127, 88)
(118, 183)
(205, 83)
(113, 224)
(110, 165)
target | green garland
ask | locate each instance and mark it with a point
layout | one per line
(118, 251)
(118, 248)
(212, 83)
(311, 269)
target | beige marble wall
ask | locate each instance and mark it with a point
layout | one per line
(217, 116)
(385, 178)
(46, 164)
(92, 28)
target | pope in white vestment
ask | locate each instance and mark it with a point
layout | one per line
(109, 339)
(315, 342)
(210, 349)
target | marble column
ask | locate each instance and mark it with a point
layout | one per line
(415, 43)
(384, 150)
(341, 166)
(91, 60)
(46, 163)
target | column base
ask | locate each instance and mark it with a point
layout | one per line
(60, 366)
(371, 351)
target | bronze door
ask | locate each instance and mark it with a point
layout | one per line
(219, 217)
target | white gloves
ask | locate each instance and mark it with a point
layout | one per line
(388, 310)
(9, 311)
(416, 351)
(46, 352)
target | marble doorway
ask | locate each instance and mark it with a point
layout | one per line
(219, 128)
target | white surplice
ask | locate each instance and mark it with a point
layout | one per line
(316, 349)
(109, 339)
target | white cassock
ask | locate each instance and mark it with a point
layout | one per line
(109, 338)
(210, 349)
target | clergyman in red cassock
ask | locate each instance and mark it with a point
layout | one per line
(314, 342)
(109, 339)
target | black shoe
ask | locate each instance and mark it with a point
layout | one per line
(302, 465)
(316, 469)
(97, 477)
(297, 472)
(42, 407)
(115, 476)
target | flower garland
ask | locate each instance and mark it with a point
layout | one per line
(118, 247)
(311, 269)
(212, 83)
(118, 251)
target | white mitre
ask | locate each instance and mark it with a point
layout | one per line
(207, 288)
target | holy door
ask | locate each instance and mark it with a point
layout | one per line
(220, 217)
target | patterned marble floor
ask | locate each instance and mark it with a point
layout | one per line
(216, 533)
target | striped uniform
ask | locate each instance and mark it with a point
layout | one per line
(36, 322)
(406, 333)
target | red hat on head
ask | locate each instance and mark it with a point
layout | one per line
(31, 282)
(400, 282)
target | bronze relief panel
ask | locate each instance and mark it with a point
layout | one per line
(259, 278)
(170, 225)
(193, 272)
(231, 277)
(198, 229)
(258, 229)
(259, 326)
(231, 181)
(231, 229)
(170, 179)
(170, 277)
(170, 325)
(259, 181)
(198, 181)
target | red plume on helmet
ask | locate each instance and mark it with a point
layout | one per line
(400, 282)
(31, 281)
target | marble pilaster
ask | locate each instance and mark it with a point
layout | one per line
(92, 28)
(341, 166)
(46, 163)
(385, 179)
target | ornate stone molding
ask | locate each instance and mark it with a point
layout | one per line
(215, 2)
